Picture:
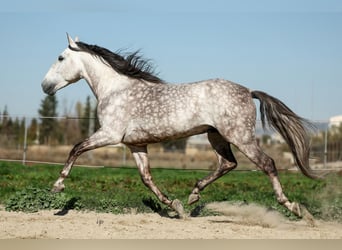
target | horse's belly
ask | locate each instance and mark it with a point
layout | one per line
(143, 136)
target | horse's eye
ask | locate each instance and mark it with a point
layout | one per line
(60, 58)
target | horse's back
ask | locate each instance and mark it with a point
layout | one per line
(172, 111)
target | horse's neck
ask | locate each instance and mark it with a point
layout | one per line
(103, 80)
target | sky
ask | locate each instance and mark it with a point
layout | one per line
(290, 49)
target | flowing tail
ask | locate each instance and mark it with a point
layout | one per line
(291, 127)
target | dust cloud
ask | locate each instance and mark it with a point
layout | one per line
(251, 214)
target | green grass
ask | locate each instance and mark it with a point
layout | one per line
(117, 190)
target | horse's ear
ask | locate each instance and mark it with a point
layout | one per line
(71, 42)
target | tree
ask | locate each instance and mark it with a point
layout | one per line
(33, 132)
(70, 127)
(97, 123)
(85, 119)
(49, 124)
(6, 121)
(19, 131)
(79, 109)
(6, 128)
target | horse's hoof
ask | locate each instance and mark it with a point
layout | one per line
(193, 198)
(295, 208)
(178, 207)
(307, 216)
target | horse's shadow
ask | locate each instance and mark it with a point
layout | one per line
(69, 205)
(166, 212)
(155, 207)
(148, 202)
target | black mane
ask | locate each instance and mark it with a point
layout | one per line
(133, 65)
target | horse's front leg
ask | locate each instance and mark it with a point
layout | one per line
(98, 139)
(141, 159)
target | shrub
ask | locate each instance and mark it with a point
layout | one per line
(32, 199)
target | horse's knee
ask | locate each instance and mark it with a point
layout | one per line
(147, 180)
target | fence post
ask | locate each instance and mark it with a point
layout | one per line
(25, 142)
(325, 147)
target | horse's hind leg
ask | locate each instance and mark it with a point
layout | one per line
(226, 163)
(267, 165)
(141, 159)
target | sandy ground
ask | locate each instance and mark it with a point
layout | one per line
(236, 222)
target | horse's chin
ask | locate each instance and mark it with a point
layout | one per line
(51, 93)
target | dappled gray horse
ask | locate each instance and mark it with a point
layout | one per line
(137, 108)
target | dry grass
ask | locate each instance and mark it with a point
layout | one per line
(117, 156)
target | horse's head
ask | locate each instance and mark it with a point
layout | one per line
(66, 70)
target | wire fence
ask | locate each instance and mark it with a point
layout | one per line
(30, 140)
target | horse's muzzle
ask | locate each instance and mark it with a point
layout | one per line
(48, 88)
